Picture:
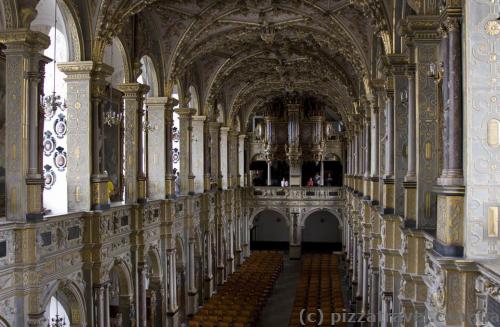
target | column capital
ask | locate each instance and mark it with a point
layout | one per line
(199, 118)
(133, 90)
(76, 70)
(242, 137)
(185, 112)
(224, 129)
(167, 103)
(214, 125)
(24, 39)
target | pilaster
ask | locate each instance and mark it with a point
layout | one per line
(23, 179)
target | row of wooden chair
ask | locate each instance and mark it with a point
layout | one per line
(240, 300)
(318, 290)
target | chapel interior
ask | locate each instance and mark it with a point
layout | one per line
(249, 163)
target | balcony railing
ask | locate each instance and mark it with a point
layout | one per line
(298, 193)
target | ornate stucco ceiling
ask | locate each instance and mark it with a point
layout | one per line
(245, 52)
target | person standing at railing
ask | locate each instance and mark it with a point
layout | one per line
(329, 180)
(283, 181)
(310, 182)
(317, 180)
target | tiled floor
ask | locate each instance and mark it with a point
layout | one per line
(277, 311)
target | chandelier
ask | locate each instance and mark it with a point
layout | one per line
(111, 117)
(54, 101)
(57, 322)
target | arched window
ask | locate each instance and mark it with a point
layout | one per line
(148, 76)
(176, 141)
(193, 101)
(114, 56)
(54, 155)
(56, 312)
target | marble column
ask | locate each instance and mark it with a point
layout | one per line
(209, 277)
(241, 160)
(374, 297)
(185, 129)
(364, 291)
(410, 182)
(224, 131)
(23, 177)
(388, 200)
(220, 255)
(157, 145)
(375, 148)
(135, 182)
(192, 290)
(99, 305)
(450, 189)
(444, 98)
(141, 274)
(230, 243)
(454, 175)
(367, 159)
(412, 124)
(215, 172)
(107, 315)
(233, 158)
(198, 153)
(359, 268)
(172, 307)
(169, 124)
(207, 182)
(269, 179)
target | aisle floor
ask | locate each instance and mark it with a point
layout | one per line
(279, 306)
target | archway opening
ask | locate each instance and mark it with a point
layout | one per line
(258, 170)
(121, 310)
(269, 231)
(154, 297)
(65, 306)
(321, 232)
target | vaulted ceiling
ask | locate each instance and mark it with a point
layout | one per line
(243, 53)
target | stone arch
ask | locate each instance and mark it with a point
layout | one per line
(116, 56)
(149, 75)
(259, 210)
(71, 297)
(124, 274)
(194, 101)
(321, 226)
(154, 263)
(121, 292)
(271, 230)
(220, 114)
(3, 323)
(68, 24)
(307, 214)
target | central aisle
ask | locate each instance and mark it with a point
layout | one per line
(278, 308)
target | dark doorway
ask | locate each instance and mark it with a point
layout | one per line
(309, 170)
(269, 232)
(259, 169)
(321, 233)
(332, 173)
